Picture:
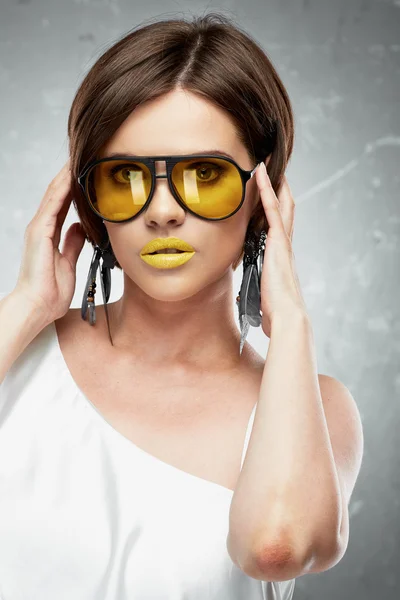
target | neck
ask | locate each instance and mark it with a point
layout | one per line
(199, 331)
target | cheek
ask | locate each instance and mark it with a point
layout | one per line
(227, 246)
(123, 241)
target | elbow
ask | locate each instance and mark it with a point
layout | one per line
(278, 563)
(285, 560)
(278, 559)
(284, 556)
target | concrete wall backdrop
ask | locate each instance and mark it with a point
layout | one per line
(340, 61)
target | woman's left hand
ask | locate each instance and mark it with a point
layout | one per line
(279, 286)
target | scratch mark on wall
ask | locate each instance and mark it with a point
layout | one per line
(368, 148)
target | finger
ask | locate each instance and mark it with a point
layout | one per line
(287, 207)
(61, 218)
(269, 200)
(53, 186)
(54, 208)
(65, 206)
(73, 243)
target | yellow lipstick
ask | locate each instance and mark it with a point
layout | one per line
(167, 261)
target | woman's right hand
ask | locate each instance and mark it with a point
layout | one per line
(47, 277)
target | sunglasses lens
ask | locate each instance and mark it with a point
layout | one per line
(210, 187)
(118, 189)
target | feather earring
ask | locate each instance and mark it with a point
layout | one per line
(249, 298)
(88, 301)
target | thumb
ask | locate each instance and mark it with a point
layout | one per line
(73, 243)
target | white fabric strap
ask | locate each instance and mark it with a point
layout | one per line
(248, 434)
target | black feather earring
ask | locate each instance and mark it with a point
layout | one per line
(249, 299)
(88, 301)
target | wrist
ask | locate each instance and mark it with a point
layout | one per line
(35, 315)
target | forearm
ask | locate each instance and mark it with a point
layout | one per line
(20, 323)
(288, 493)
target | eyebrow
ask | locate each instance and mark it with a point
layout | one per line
(201, 153)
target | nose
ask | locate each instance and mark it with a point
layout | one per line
(163, 209)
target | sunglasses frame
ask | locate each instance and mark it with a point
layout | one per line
(170, 161)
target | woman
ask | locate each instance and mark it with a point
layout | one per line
(128, 437)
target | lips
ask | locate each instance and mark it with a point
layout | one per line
(167, 251)
(169, 260)
(166, 246)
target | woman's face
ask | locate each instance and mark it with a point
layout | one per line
(179, 123)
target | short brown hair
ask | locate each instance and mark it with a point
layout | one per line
(207, 55)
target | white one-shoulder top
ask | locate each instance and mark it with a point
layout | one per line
(87, 515)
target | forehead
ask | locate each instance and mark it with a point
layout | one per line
(177, 123)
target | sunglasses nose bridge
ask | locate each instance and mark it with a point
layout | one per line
(160, 168)
(160, 176)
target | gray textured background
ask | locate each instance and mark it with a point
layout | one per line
(340, 62)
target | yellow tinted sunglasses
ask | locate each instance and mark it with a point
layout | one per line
(119, 188)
